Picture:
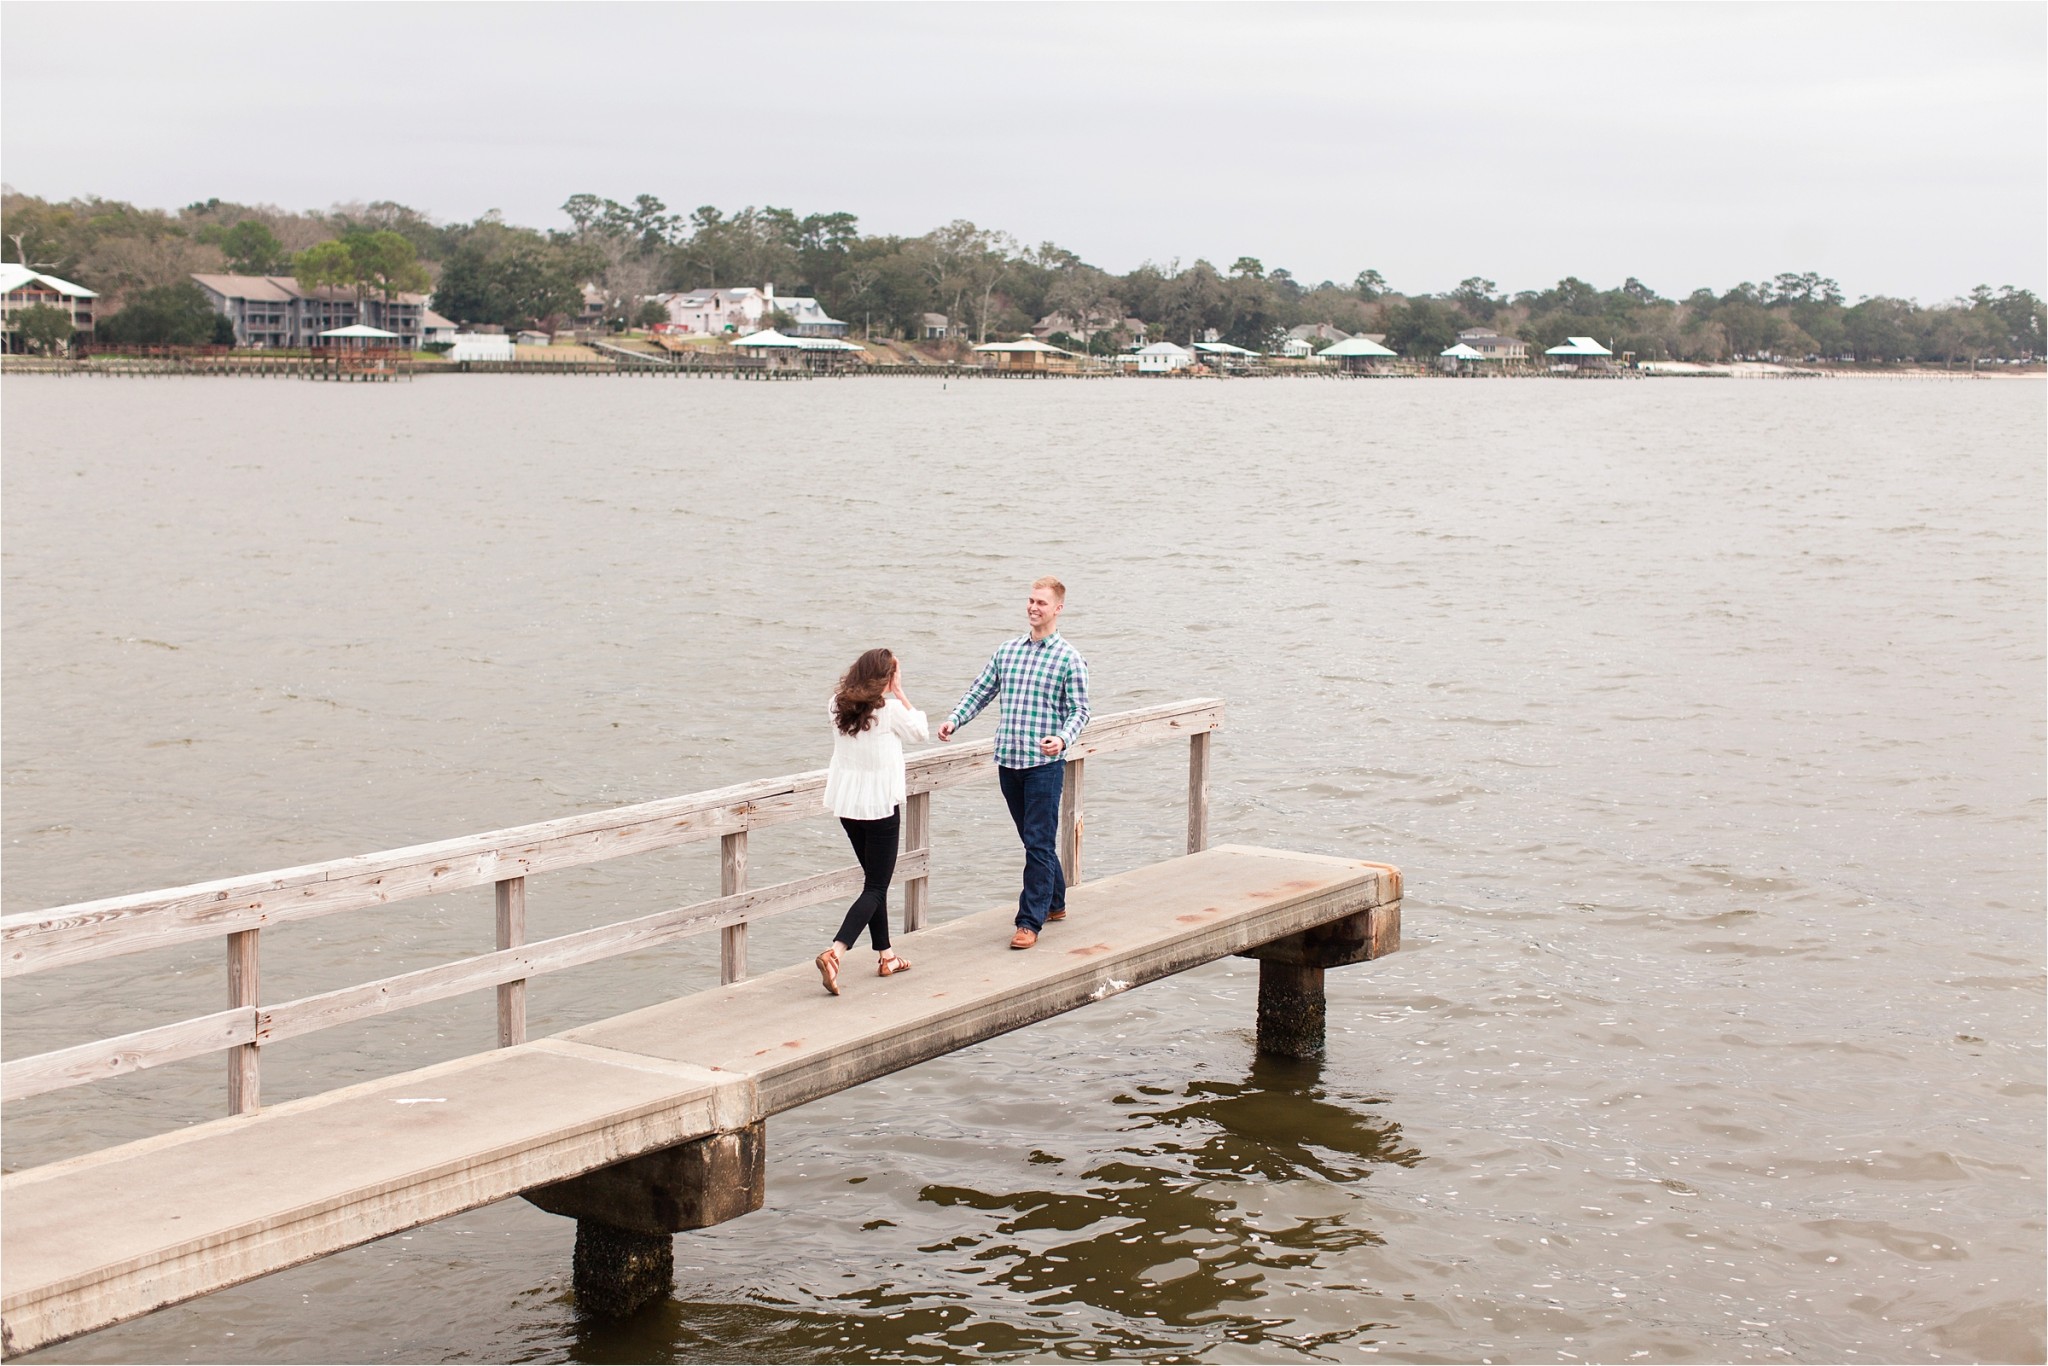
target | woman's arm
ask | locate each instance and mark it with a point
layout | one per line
(907, 721)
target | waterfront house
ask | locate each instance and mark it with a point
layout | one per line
(1359, 355)
(1081, 329)
(274, 311)
(1491, 345)
(1303, 340)
(1164, 358)
(808, 318)
(935, 327)
(22, 287)
(713, 312)
(744, 310)
(435, 330)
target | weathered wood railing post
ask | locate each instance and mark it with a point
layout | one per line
(245, 1089)
(1072, 821)
(917, 834)
(511, 905)
(732, 880)
(1198, 792)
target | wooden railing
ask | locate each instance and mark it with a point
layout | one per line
(240, 909)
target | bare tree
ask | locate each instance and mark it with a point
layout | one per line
(1088, 296)
(859, 280)
(944, 257)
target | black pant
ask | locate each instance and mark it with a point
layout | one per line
(874, 844)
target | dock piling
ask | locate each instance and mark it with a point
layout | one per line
(627, 1214)
(620, 1269)
(1292, 1010)
(1292, 1007)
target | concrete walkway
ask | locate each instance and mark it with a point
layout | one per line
(101, 1238)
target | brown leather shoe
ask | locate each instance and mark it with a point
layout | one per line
(1056, 915)
(1023, 939)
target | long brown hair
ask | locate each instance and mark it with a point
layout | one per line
(862, 689)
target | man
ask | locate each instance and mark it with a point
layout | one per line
(1043, 684)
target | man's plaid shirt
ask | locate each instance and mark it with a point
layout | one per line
(1044, 690)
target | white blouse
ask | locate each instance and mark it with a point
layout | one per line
(865, 781)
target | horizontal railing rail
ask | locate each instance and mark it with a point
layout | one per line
(239, 908)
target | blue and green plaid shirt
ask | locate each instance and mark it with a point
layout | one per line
(1044, 690)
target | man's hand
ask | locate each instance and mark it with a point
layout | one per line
(945, 730)
(1051, 744)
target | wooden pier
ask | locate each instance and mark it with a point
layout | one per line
(641, 1126)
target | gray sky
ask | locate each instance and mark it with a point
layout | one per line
(1901, 149)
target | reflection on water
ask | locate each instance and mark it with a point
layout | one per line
(1194, 1232)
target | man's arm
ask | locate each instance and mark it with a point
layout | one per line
(978, 695)
(1077, 705)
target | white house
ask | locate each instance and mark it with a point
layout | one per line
(741, 311)
(435, 328)
(21, 287)
(1163, 358)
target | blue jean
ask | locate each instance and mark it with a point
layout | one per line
(1033, 795)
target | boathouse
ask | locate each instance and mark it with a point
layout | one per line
(771, 348)
(1580, 355)
(1226, 357)
(1026, 353)
(358, 336)
(1461, 359)
(1360, 355)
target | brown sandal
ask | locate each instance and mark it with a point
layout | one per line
(889, 965)
(828, 968)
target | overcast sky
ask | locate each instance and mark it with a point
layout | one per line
(1898, 148)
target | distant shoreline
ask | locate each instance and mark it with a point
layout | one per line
(287, 368)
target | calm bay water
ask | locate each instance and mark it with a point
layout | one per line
(1706, 722)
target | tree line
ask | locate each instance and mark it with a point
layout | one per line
(985, 282)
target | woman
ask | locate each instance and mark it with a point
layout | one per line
(871, 718)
